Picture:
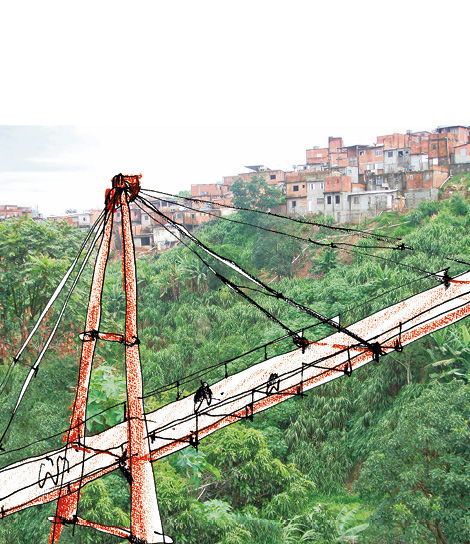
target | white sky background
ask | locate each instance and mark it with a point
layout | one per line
(187, 92)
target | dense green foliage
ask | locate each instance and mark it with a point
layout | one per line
(380, 457)
(32, 257)
(418, 472)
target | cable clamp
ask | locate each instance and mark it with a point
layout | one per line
(124, 468)
(249, 412)
(88, 336)
(66, 521)
(194, 440)
(402, 247)
(300, 391)
(135, 342)
(301, 342)
(446, 278)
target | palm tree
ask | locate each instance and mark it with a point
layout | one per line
(345, 534)
(451, 354)
(324, 261)
(192, 272)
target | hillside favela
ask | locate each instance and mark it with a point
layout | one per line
(276, 357)
(350, 183)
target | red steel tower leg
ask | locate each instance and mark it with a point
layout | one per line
(145, 516)
(67, 504)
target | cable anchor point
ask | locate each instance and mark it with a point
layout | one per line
(130, 185)
(446, 278)
(301, 342)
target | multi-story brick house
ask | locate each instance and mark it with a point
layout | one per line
(440, 144)
(273, 177)
(296, 192)
(336, 190)
(315, 182)
(461, 154)
(318, 158)
(9, 210)
(426, 179)
(347, 181)
(82, 220)
(395, 140)
(396, 159)
(209, 191)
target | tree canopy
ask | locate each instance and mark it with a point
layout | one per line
(419, 472)
(255, 193)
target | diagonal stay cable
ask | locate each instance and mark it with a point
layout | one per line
(428, 274)
(240, 270)
(34, 369)
(59, 287)
(51, 302)
(237, 289)
(201, 373)
(333, 245)
(400, 247)
(395, 330)
(272, 214)
(232, 397)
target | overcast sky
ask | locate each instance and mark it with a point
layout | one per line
(187, 92)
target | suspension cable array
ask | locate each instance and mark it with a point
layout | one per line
(303, 221)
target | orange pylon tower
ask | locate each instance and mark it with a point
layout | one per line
(146, 526)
